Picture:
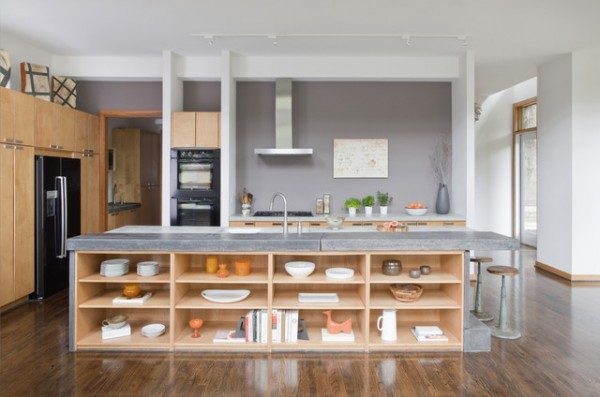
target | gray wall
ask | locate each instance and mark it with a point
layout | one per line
(412, 116)
(203, 96)
(93, 96)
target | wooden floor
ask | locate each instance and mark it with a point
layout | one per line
(559, 354)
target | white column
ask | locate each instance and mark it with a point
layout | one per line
(228, 141)
(172, 100)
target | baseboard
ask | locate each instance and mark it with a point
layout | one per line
(566, 275)
(14, 304)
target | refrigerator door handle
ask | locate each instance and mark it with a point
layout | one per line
(62, 188)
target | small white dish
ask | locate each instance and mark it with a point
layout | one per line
(147, 269)
(318, 297)
(416, 211)
(225, 295)
(340, 273)
(153, 330)
(299, 268)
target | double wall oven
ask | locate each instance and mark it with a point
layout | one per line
(195, 187)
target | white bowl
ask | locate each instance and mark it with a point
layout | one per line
(416, 211)
(153, 330)
(299, 268)
(339, 273)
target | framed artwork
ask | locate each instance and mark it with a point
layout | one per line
(360, 158)
(4, 69)
(35, 80)
(64, 91)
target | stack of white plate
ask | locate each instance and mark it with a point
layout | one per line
(153, 330)
(148, 268)
(114, 267)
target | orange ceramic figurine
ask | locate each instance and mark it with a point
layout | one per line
(336, 328)
(131, 290)
(223, 272)
(196, 324)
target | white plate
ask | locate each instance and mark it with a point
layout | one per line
(225, 295)
(117, 262)
(318, 297)
(339, 273)
(153, 330)
(113, 273)
(149, 273)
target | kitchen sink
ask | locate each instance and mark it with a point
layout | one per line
(280, 213)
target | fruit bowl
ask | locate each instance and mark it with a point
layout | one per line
(416, 211)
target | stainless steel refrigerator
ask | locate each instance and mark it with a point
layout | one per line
(57, 217)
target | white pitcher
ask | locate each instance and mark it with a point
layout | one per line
(387, 325)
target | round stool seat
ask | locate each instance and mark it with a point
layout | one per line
(503, 270)
(481, 259)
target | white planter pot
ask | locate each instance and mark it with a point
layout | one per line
(383, 210)
(352, 211)
(368, 211)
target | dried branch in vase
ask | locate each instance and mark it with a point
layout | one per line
(440, 159)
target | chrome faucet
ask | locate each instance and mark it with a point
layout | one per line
(285, 212)
(114, 194)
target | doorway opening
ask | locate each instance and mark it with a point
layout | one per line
(525, 172)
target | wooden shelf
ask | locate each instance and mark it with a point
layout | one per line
(193, 300)
(184, 340)
(315, 342)
(407, 341)
(159, 300)
(316, 278)
(431, 299)
(434, 278)
(289, 300)
(207, 278)
(134, 341)
(162, 277)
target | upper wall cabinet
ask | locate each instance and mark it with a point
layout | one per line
(16, 117)
(86, 133)
(196, 129)
(54, 126)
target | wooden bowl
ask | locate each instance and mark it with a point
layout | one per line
(406, 292)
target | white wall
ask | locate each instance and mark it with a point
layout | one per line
(19, 51)
(493, 158)
(229, 200)
(586, 162)
(554, 117)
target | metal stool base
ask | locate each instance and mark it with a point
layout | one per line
(506, 333)
(483, 316)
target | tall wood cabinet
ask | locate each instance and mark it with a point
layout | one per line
(54, 126)
(196, 129)
(16, 117)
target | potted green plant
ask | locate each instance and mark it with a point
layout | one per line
(368, 202)
(352, 204)
(384, 200)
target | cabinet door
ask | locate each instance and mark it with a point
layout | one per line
(208, 129)
(93, 137)
(24, 118)
(24, 222)
(7, 276)
(66, 128)
(80, 122)
(126, 175)
(90, 195)
(7, 120)
(183, 130)
(45, 125)
(113, 221)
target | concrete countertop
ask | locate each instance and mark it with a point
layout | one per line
(361, 217)
(237, 240)
(119, 207)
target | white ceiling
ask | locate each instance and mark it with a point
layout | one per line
(510, 38)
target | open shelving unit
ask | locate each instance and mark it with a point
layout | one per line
(176, 299)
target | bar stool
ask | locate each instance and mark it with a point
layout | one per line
(478, 311)
(502, 330)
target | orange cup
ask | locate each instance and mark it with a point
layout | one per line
(212, 264)
(242, 267)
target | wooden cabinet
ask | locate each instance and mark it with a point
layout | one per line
(16, 222)
(90, 194)
(16, 117)
(123, 218)
(196, 129)
(86, 133)
(54, 126)
(126, 175)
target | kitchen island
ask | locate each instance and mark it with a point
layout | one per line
(182, 253)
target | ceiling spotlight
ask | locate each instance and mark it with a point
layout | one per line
(463, 40)
(273, 39)
(406, 39)
(210, 38)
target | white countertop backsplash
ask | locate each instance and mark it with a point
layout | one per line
(401, 217)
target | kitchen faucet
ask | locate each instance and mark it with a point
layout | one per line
(285, 212)
(114, 194)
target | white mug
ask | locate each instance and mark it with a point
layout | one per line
(387, 325)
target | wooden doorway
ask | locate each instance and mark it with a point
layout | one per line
(104, 115)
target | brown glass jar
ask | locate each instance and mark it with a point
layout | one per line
(391, 267)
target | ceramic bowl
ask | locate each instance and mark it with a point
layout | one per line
(299, 268)
(115, 322)
(153, 330)
(334, 222)
(416, 211)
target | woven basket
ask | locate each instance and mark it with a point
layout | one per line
(406, 292)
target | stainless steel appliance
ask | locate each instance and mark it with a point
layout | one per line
(57, 217)
(195, 187)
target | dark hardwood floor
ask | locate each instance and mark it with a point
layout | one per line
(559, 354)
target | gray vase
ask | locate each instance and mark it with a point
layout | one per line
(442, 204)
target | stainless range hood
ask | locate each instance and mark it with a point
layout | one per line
(283, 123)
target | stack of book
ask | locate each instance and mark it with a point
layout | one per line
(284, 326)
(256, 326)
(110, 333)
(429, 334)
(138, 300)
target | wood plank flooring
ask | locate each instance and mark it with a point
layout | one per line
(558, 355)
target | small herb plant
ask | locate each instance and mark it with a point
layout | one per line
(368, 201)
(384, 199)
(352, 203)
